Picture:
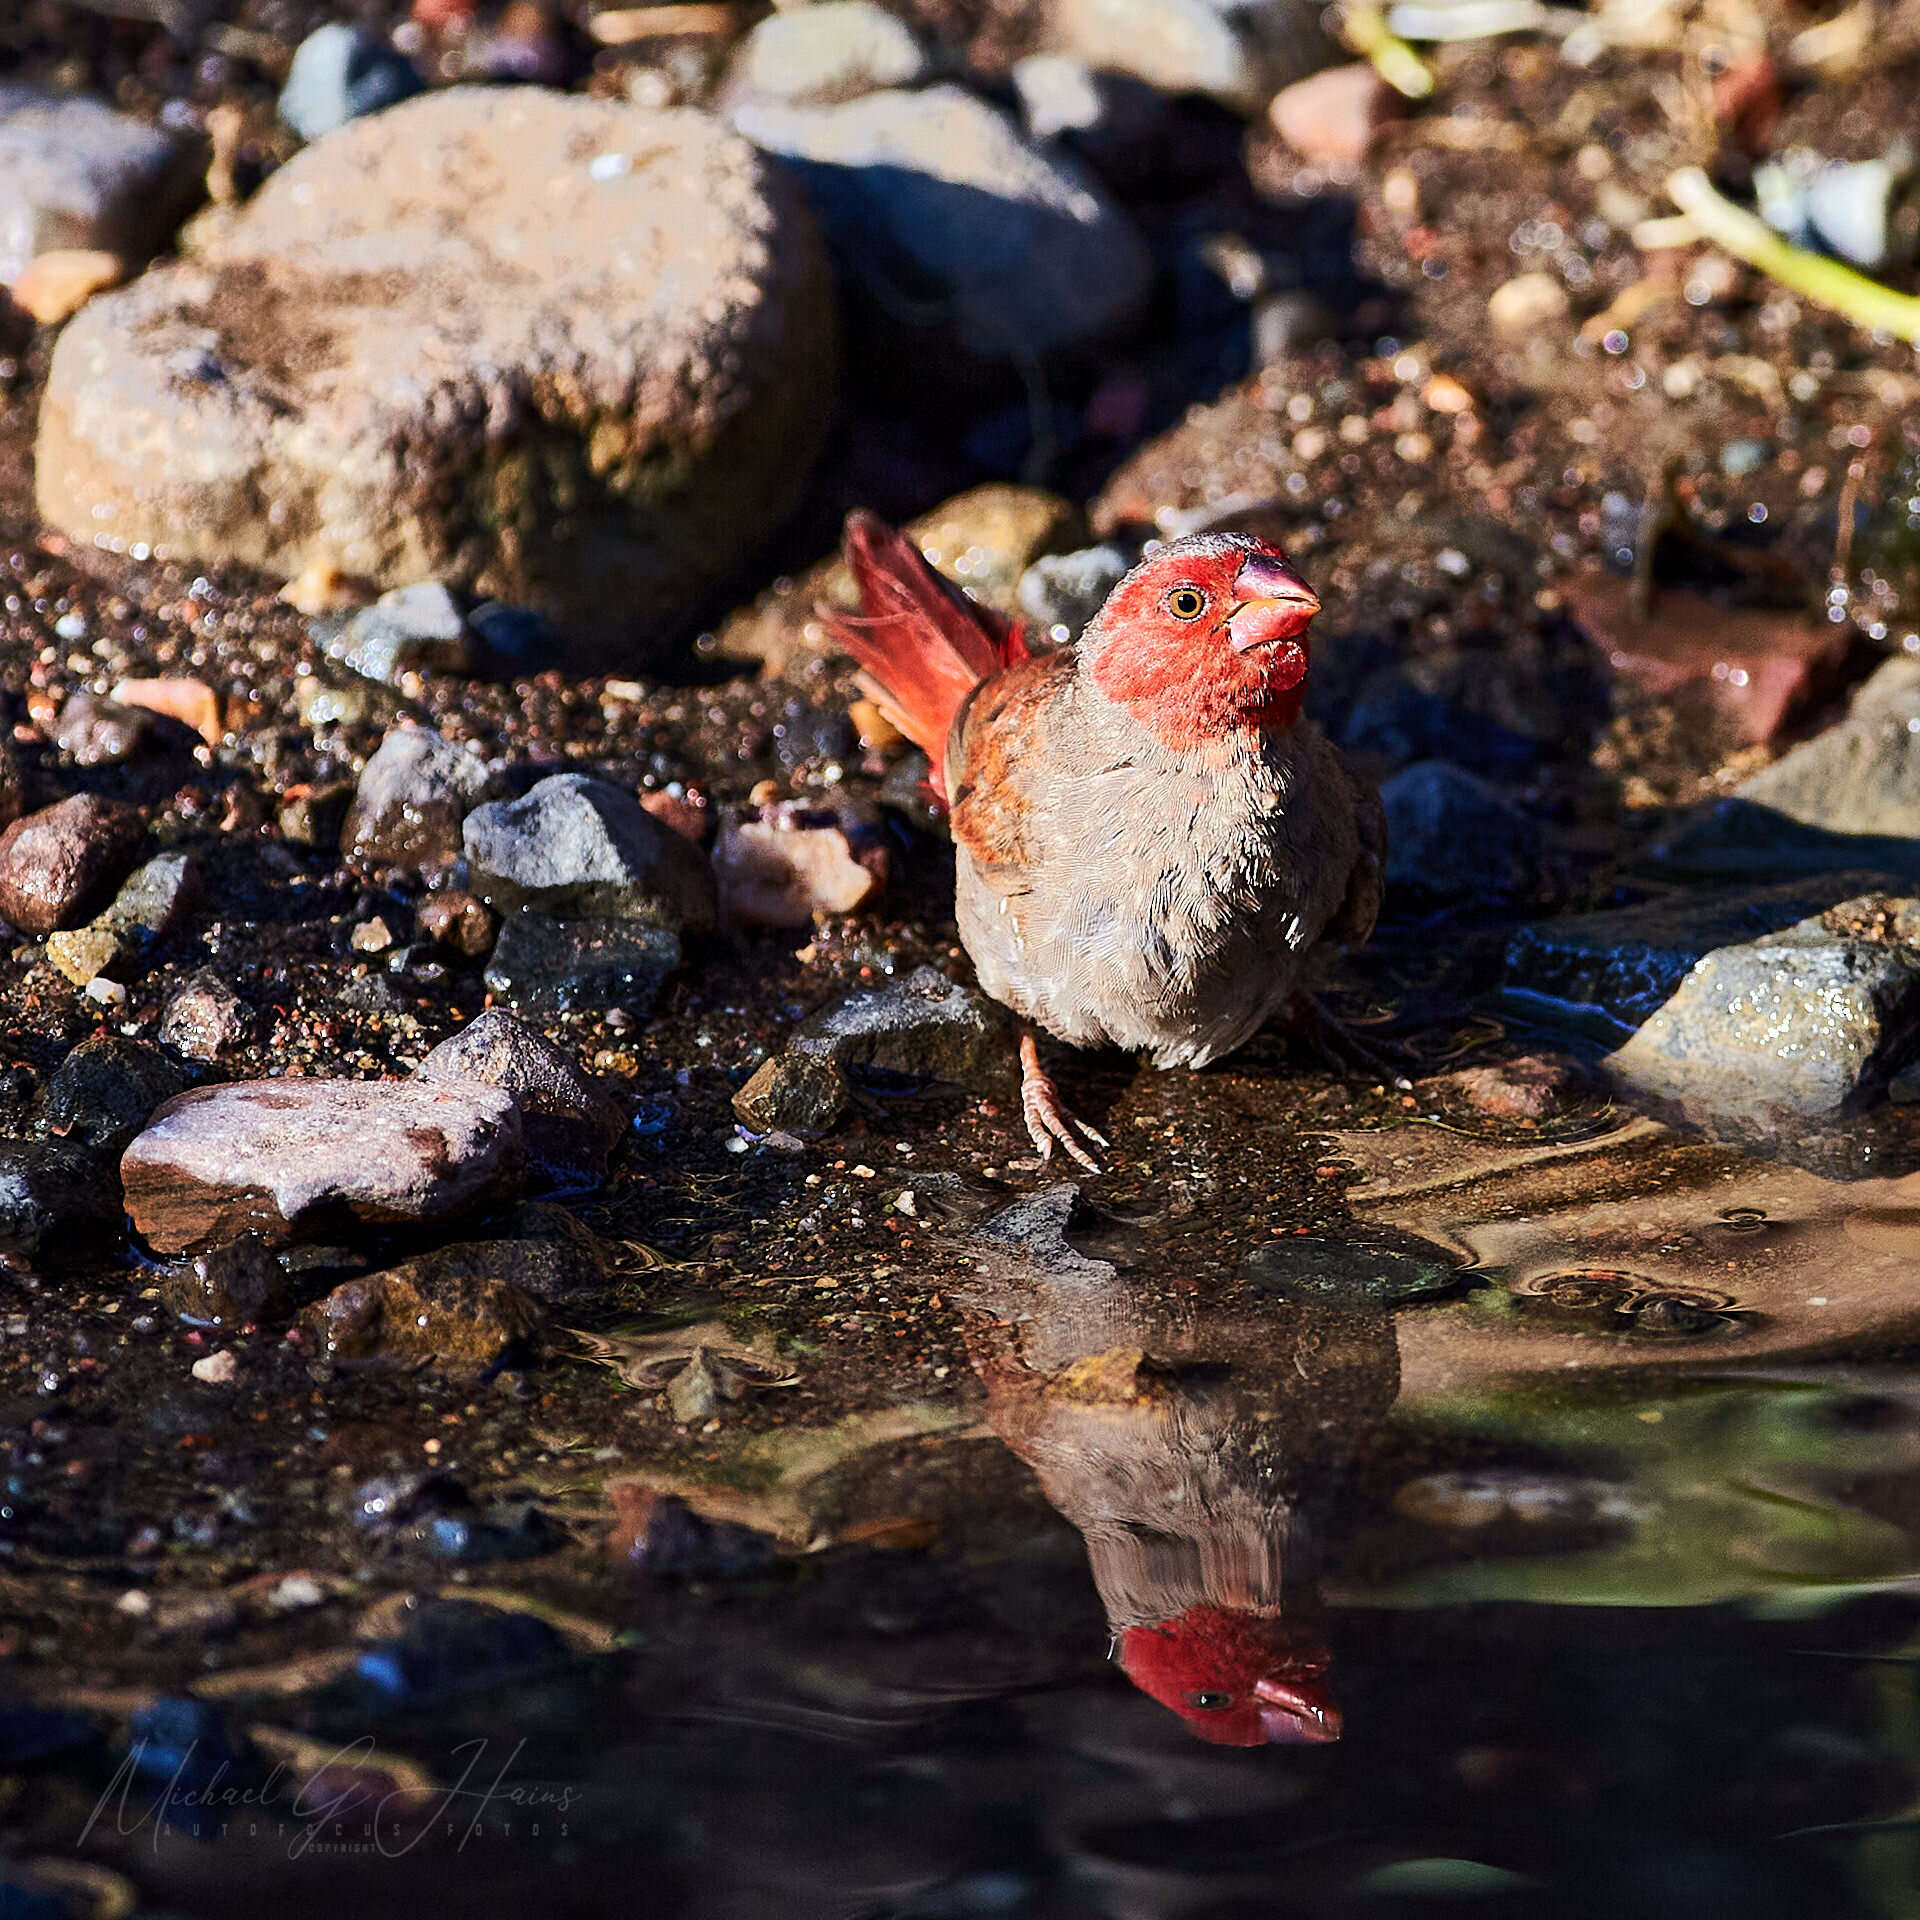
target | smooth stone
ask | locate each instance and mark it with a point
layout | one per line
(56, 864)
(205, 1017)
(288, 1158)
(59, 1202)
(340, 72)
(1452, 836)
(820, 54)
(75, 174)
(1012, 249)
(1331, 118)
(107, 1088)
(417, 629)
(226, 1286)
(412, 797)
(576, 845)
(925, 1027)
(797, 1093)
(602, 438)
(426, 1309)
(544, 966)
(570, 1123)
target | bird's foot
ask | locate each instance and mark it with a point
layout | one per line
(1049, 1124)
(1337, 1046)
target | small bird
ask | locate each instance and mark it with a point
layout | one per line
(1155, 850)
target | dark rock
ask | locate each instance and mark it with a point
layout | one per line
(459, 921)
(93, 731)
(13, 785)
(570, 1123)
(581, 846)
(288, 1157)
(417, 629)
(660, 1534)
(58, 1202)
(205, 1017)
(1474, 710)
(75, 174)
(451, 1645)
(1120, 126)
(316, 816)
(1314, 1270)
(554, 1259)
(556, 966)
(103, 1092)
(1452, 836)
(412, 797)
(426, 1309)
(57, 864)
(925, 1027)
(227, 1286)
(1031, 1236)
(340, 72)
(800, 1093)
(186, 1741)
(436, 1512)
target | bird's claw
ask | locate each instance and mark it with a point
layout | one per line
(1049, 1124)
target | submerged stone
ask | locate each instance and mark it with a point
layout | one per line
(542, 966)
(452, 1311)
(797, 1093)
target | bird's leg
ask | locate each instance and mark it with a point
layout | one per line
(1336, 1045)
(1048, 1121)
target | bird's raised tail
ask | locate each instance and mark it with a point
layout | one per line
(922, 646)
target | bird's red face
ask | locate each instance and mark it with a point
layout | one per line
(1205, 637)
(1236, 1679)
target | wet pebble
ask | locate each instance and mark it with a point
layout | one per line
(459, 921)
(451, 1645)
(542, 966)
(659, 1534)
(410, 802)
(59, 1202)
(205, 1018)
(285, 1156)
(1527, 1089)
(155, 901)
(797, 1093)
(104, 1091)
(426, 1310)
(226, 1286)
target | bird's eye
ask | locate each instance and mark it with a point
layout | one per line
(1186, 603)
(1210, 1702)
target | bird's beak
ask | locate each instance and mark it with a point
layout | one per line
(1274, 603)
(1296, 1712)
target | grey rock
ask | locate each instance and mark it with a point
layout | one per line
(412, 797)
(543, 966)
(1452, 836)
(821, 54)
(798, 1093)
(1239, 52)
(107, 1088)
(1061, 592)
(226, 1286)
(633, 404)
(1798, 1024)
(73, 173)
(417, 629)
(925, 1027)
(576, 845)
(570, 1123)
(156, 900)
(339, 73)
(1849, 797)
(59, 1202)
(205, 1017)
(289, 1158)
(1030, 1237)
(941, 205)
(93, 731)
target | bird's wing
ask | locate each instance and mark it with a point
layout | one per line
(994, 753)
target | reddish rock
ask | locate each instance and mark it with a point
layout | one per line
(1531, 1088)
(1755, 667)
(287, 1157)
(788, 869)
(57, 865)
(205, 1017)
(458, 920)
(1332, 116)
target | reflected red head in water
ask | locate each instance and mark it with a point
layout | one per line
(1236, 1679)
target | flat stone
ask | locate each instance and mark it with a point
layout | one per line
(1016, 250)
(633, 405)
(205, 1017)
(823, 53)
(1450, 835)
(106, 1089)
(289, 1158)
(59, 1203)
(340, 72)
(56, 864)
(76, 174)
(428, 1309)
(1798, 1024)
(793, 868)
(577, 845)
(925, 1027)
(543, 966)
(570, 1123)
(798, 1093)
(412, 797)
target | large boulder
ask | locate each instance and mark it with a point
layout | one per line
(572, 353)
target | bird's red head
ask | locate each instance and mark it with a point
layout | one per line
(1205, 636)
(1236, 1679)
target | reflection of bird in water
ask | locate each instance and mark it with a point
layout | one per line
(1189, 1438)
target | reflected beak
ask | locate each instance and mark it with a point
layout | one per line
(1297, 1712)
(1274, 603)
